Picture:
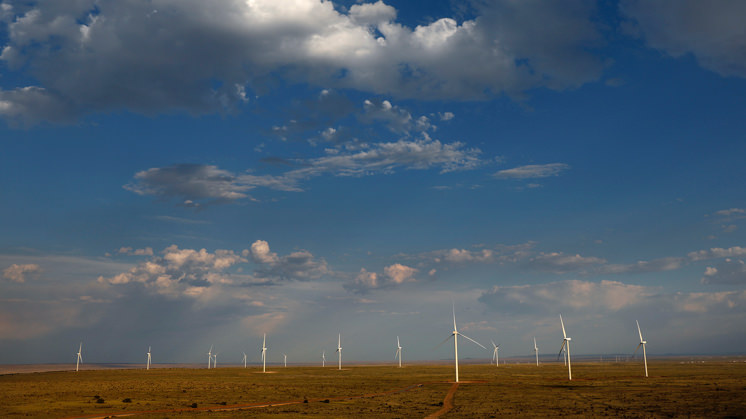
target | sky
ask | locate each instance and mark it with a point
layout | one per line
(180, 174)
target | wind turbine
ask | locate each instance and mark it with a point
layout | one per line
(398, 351)
(286, 360)
(536, 351)
(244, 359)
(209, 357)
(323, 359)
(565, 340)
(215, 360)
(80, 358)
(264, 353)
(339, 349)
(148, 365)
(455, 334)
(642, 343)
(495, 353)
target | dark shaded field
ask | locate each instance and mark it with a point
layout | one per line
(704, 389)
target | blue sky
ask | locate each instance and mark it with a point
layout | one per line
(179, 175)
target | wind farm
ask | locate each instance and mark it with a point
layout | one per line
(183, 175)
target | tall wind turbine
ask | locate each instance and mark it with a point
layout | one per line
(244, 359)
(148, 365)
(286, 360)
(398, 351)
(455, 334)
(209, 358)
(264, 353)
(495, 353)
(643, 342)
(323, 359)
(536, 351)
(565, 341)
(80, 357)
(339, 349)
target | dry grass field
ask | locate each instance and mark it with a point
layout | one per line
(708, 389)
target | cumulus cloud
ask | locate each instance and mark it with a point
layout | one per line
(606, 296)
(656, 265)
(206, 57)
(19, 273)
(148, 251)
(730, 271)
(496, 254)
(198, 185)
(717, 252)
(24, 106)
(300, 265)
(180, 272)
(392, 276)
(559, 262)
(532, 171)
(731, 212)
(396, 119)
(712, 31)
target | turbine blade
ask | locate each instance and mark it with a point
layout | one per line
(561, 348)
(564, 335)
(638, 330)
(464, 336)
(450, 336)
(454, 315)
(493, 344)
(638, 347)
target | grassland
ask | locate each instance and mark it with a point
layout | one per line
(709, 389)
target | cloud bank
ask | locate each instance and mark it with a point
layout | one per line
(205, 57)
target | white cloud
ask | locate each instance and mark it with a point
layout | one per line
(392, 276)
(399, 273)
(397, 120)
(496, 254)
(532, 171)
(559, 262)
(730, 271)
(606, 297)
(19, 273)
(24, 106)
(710, 30)
(731, 212)
(137, 252)
(656, 265)
(175, 48)
(199, 185)
(180, 272)
(300, 265)
(717, 252)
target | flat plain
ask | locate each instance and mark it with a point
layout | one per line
(674, 389)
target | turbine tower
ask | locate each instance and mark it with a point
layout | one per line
(643, 342)
(80, 357)
(148, 365)
(323, 359)
(495, 353)
(565, 341)
(339, 349)
(264, 353)
(398, 351)
(244, 359)
(536, 351)
(286, 360)
(215, 360)
(455, 334)
(209, 357)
